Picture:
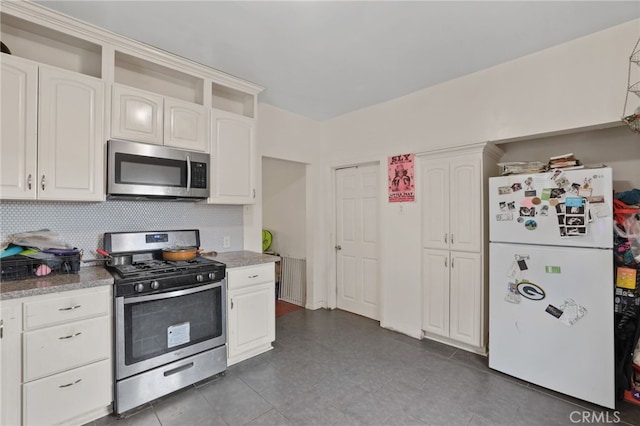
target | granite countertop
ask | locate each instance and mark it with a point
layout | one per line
(94, 276)
(89, 276)
(237, 259)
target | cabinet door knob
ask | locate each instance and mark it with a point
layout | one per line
(338, 247)
(42, 182)
(445, 237)
(452, 261)
(29, 181)
(445, 262)
(231, 303)
(451, 238)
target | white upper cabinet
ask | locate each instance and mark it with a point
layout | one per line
(52, 141)
(18, 137)
(142, 116)
(185, 125)
(70, 136)
(452, 216)
(136, 115)
(64, 78)
(232, 158)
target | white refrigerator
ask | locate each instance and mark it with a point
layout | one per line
(551, 281)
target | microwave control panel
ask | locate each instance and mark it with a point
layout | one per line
(198, 175)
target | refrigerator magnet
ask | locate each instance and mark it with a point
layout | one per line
(504, 190)
(562, 182)
(511, 206)
(544, 211)
(556, 193)
(527, 211)
(528, 182)
(571, 312)
(554, 311)
(530, 224)
(503, 217)
(503, 206)
(530, 290)
(516, 187)
(530, 193)
(545, 194)
(512, 295)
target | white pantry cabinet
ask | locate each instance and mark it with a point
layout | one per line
(65, 161)
(143, 116)
(452, 203)
(56, 358)
(452, 297)
(455, 244)
(233, 158)
(251, 325)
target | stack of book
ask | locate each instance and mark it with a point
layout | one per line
(565, 162)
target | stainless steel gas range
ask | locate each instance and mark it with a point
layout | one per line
(169, 317)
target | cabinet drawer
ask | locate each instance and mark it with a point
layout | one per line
(55, 349)
(66, 395)
(250, 275)
(69, 307)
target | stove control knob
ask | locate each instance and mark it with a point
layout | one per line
(212, 275)
(138, 287)
(199, 278)
(155, 285)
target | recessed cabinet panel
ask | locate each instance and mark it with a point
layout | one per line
(435, 204)
(185, 125)
(18, 137)
(435, 315)
(70, 136)
(232, 153)
(466, 298)
(136, 115)
(465, 204)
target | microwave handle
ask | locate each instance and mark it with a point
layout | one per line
(188, 173)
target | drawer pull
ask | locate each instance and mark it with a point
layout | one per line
(71, 336)
(253, 276)
(71, 308)
(70, 384)
(178, 369)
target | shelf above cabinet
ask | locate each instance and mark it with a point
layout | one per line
(231, 100)
(142, 74)
(47, 46)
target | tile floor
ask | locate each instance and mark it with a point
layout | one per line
(336, 368)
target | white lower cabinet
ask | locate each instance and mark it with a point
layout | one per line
(61, 398)
(10, 362)
(56, 358)
(251, 325)
(452, 296)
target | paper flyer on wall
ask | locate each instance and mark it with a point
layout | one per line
(401, 178)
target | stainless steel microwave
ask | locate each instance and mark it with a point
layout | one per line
(143, 171)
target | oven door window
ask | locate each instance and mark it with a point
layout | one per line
(156, 327)
(141, 170)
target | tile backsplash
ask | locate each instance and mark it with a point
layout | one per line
(83, 224)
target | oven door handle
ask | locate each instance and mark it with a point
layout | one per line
(159, 296)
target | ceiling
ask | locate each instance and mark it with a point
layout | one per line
(322, 59)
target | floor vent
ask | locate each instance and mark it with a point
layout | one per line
(293, 281)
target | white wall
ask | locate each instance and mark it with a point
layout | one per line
(286, 136)
(284, 205)
(572, 87)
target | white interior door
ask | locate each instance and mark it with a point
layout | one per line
(357, 240)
